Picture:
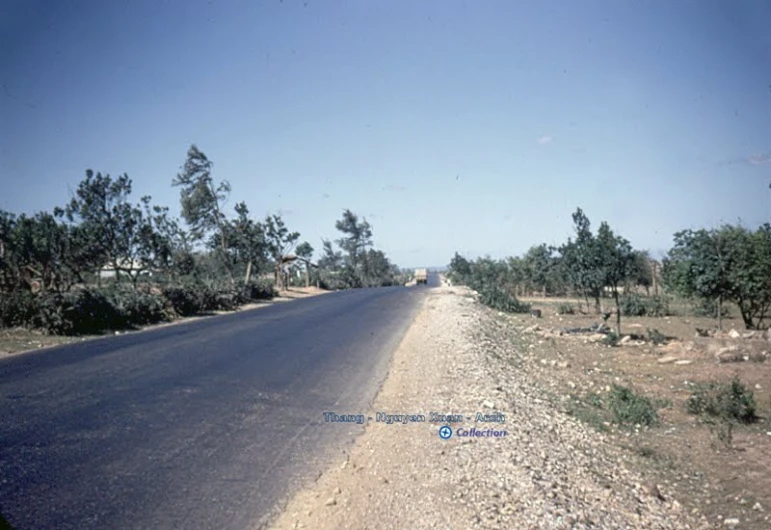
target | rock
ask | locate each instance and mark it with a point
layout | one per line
(748, 335)
(331, 501)
(729, 354)
(596, 337)
(667, 359)
(684, 361)
(734, 335)
(757, 507)
(626, 339)
(488, 404)
(732, 521)
(652, 489)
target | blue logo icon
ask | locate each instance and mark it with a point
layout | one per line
(445, 433)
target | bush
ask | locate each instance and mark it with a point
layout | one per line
(611, 339)
(185, 300)
(138, 308)
(565, 309)
(730, 402)
(629, 408)
(656, 337)
(260, 290)
(632, 305)
(708, 308)
(85, 311)
(18, 308)
(497, 298)
(658, 306)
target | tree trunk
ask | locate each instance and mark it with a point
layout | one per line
(307, 274)
(248, 273)
(720, 312)
(597, 305)
(618, 313)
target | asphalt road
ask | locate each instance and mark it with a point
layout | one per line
(206, 424)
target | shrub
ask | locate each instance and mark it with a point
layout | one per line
(611, 339)
(656, 337)
(632, 305)
(185, 300)
(565, 309)
(18, 308)
(260, 290)
(497, 298)
(78, 312)
(729, 402)
(708, 308)
(658, 306)
(138, 308)
(629, 408)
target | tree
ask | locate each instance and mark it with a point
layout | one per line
(749, 272)
(279, 243)
(698, 266)
(459, 269)
(357, 237)
(247, 241)
(538, 267)
(110, 230)
(583, 261)
(642, 271)
(202, 202)
(617, 263)
(305, 251)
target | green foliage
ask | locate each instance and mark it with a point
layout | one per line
(656, 337)
(632, 305)
(565, 309)
(497, 298)
(611, 339)
(137, 307)
(729, 402)
(705, 307)
(729, 264)
(658, 306)
(259, 290)
(186, 300)
(629, 408)
(18, 308)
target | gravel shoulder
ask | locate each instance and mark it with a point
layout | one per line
(549, 471)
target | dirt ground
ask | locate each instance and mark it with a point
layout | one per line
(550, 470)
(724, 482)
(14, 341)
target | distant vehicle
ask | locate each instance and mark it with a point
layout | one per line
(421, 276)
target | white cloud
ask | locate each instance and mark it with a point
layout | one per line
(763, 158)
(543, 140)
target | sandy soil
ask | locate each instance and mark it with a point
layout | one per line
(548, 471)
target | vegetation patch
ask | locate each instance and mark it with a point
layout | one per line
(726, 401)
(629, 408)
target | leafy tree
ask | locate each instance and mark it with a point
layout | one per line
(641, 273)
(110, 230)
(279, 243)
(247, 241)
(617, 263)
(583, 261)
(202, 203)
(305, 251)
(357, 237)
(459, 269)
(749, 272)
(538, 265)
(698, 266)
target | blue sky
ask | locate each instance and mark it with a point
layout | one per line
(469, 126)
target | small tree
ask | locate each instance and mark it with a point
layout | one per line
(202, 203)
(279, 243)
(618, 260)
(305, 251)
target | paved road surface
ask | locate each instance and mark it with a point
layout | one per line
(206, 424)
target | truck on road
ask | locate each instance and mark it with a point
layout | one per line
(421, 276)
